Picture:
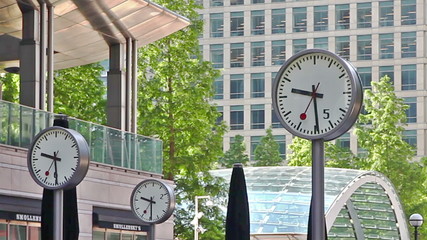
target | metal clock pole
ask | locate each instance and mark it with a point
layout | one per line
(152, 232)
(318, 190)
(58, 226)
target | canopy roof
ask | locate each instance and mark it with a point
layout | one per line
(84, 29)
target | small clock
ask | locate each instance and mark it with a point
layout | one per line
(317, 95)
(152, 201)
(58, 158)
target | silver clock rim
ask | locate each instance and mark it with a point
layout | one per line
(82, 162)
(355, 103)
(171, 205)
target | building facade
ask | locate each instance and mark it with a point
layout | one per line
(249, 40)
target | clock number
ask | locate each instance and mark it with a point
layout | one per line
(326, 114)
(162, 195)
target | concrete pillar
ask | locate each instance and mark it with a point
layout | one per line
(116, 88)
(30, 58)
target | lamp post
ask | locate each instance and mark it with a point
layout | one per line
(198, 215)
(416, 220)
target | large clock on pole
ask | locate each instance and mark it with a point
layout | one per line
(317, 95)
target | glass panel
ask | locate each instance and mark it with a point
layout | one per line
(411, 112)
(278, 52)
(387, 71)
(126, 236)
(217, 55)
(217, 24)
(255, 140)
(364, 47)
(299, 45)
(409, 77)
(236, 55)
(3, 231)
(17, 232)
(387, 46)
(219, 88)
(257, 116)
(98, 235)
(34, 233)
(386, 13)
(321, 43)
(257, 54)
(342, 46)
(410, 136)
(320, 18)
(236, 117)
(258, 22)
(216, 3)
(300, 19)
(113, 236)
(364, 15)
(409, 44)
(257, 85)
(278, 21)
(237, 24)
(408, 12)
(275, 122)
(342, 16)
(365, 76)
(236, 86)
(236, 2)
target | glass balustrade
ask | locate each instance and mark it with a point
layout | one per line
(19, 124)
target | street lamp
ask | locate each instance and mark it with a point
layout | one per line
(198, 215)
(416, 220)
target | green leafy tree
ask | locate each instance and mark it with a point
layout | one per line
(236, 153)
(267, 151)
(380, 132)
(9, 87)
(176, 86)
(79, 92)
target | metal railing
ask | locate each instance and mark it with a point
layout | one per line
(19, 124)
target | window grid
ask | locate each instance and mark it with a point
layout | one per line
(321, 43)
(386, 13)
(364, 47)
(217, 55)
(257, 116)
(411, 112)
(257, 85)
(409, 44)
(236, 55)
(257, 54)
(217, 24)
(409, 77)
(237, 24)
(342, 46)
(278, 52)
(387, 71)
(321, 18)
(219, 88)
(258, 22)
(236, 86)
(299, 45)
(342, 16)
(278, 21)
(236, 117)
(387, 46)
(300, 19)
(408, 12)
(364, 15)
(365, 76)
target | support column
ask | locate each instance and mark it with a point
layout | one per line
(134, 86)
(116, 105)
(30, 58)
(50, 52)
(129, 89)
(43, 43)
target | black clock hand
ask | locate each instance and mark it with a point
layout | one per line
(306, 93)
(316, 116)
(55, 174)
(50, 156)
(148, 200)
(151, 208)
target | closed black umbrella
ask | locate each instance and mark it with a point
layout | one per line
(237, 225)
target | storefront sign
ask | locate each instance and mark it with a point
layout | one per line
(20, 216)
(127, 227)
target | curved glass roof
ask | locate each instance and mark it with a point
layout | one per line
(356, 202)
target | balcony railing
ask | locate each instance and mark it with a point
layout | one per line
(19, 124)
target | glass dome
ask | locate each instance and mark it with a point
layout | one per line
(358, 204)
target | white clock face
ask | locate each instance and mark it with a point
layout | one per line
(54, 158)
(152, 201)
(316, 95)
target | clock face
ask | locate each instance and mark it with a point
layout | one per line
(317, 95)
(152, 201)
(58, 158)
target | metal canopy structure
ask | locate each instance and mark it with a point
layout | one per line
(84, 29)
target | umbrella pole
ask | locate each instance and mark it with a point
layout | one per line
(318, 190)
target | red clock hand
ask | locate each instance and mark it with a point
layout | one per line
(314, 94)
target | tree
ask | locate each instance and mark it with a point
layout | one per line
(79, 92)
(176, 86)
(9, 87)
(380, 132)
(267, 151)
(236, 153)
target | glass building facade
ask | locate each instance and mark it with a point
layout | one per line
(358, 204)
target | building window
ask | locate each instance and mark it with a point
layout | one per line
(257, 1)
(321, 43)
(278, 21)
(300, 19)
(255, 140)
(408, 12)
(258, 22)
(411, 112)
(220, 118)
(237, 24)
(281, 140)
(257, 54)
(217, 25)
(236, 86)
(257, 116)
(365, 76)
(409, 77)
(387, 71)
(364, 47)
(216, 3)
(386, 13)
(343, 141)
(386, 46)
(409, 44)
(257, 85)
(219, 88)
(236, 117)
(342, 16)
(217, 55)
(364, 15)
(299, 45)
(275, 122)
(278, 52)
(236, 55)
(410, 136)
(342, 46)
(236, 2)
(321, 18)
